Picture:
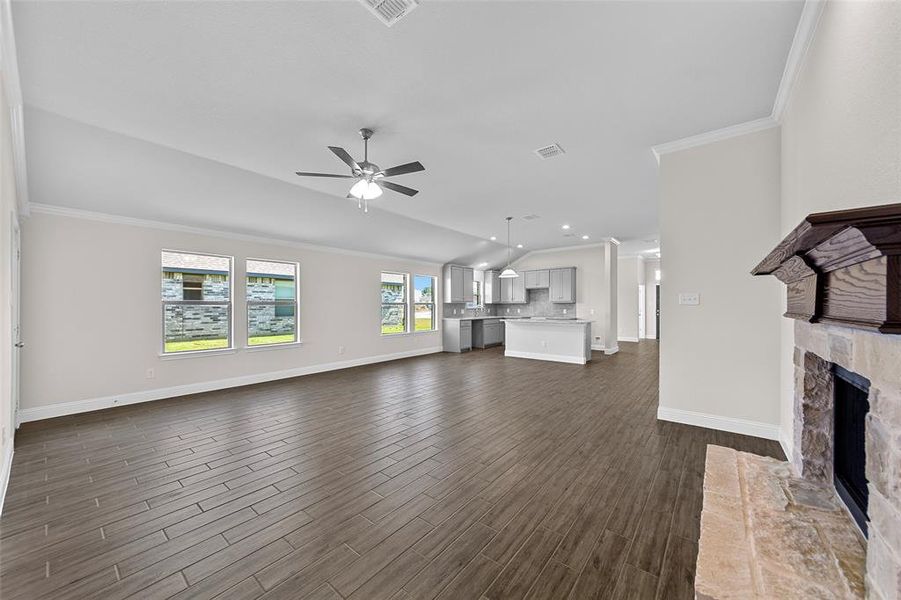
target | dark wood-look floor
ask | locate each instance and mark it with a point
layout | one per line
(449, 476)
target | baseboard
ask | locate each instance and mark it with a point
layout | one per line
(730, 424)
(787, 443)
(598, 347)
(551, 357)
(627, 339)
(91, 404)
(613, 350)
(4, 474)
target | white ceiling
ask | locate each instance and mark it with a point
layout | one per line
(200, 112)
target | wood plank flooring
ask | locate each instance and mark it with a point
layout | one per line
(445, 476)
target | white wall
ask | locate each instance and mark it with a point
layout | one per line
(841, 131)
(719, 215)
(630, 274)
(651, 266)
(591, 283)
(8, 215)
(91, 292)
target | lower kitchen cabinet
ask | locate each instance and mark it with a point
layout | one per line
(456, 335)
(487, 332)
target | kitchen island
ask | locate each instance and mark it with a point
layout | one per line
(558, 340)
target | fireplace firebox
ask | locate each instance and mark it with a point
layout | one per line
(849, 452)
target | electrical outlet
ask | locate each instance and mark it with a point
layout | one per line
(518, 310)
(690, 298)
(340, 349)
(150, 374)
(564, 311)
(591, 312)
(544, 343)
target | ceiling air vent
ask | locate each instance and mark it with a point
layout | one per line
(530, 217)
(390, 12)
(550, 151)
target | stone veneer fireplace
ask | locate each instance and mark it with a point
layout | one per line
(842, 271)
(877, 358)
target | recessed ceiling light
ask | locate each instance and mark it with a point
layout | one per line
(566, 227)
(493, 238)
(519, 245)
(584, 237)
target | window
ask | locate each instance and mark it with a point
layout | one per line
(271, 302)
(476, 295)
(423, 303)
(196, 297)
(394, 303)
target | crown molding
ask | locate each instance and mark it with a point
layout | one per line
(86, 215)
(716, 135)
(12, 89)
(807, 27)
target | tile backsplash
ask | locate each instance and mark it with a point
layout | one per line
(539, 305)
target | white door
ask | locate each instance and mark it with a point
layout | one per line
(14, 325)
(641, 304)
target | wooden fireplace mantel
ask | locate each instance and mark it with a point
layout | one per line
(843, 267)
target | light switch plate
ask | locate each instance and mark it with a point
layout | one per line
(690, 298)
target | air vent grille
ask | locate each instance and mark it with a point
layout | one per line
(390, 12)
(530, 217)
(550, 151)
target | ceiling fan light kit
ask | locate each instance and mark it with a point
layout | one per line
(370, 177)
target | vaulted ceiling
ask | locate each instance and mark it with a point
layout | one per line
(200, 112)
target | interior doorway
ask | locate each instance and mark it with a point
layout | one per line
(642, 299)
(657, 310)
(15, 333)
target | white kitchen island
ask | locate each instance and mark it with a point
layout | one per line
(563, 340)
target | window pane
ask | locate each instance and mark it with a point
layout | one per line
(275, 282)
(269, 280)
(393, 287)
(423, 288)
(195, 277)
(191, 327)
(424, 317)
(394, 318)
(270, 324)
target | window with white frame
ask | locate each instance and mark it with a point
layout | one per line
(196, 301)
(394, 303)
(424, 318)
(271, 293)
(476, 295)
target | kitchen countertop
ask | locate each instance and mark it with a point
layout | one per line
(481, 318)
(553, 321)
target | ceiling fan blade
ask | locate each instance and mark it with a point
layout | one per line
(402, 169)
(399, 188)
(345, 158)
(302, 174)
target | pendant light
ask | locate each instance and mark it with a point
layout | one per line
(508, 272)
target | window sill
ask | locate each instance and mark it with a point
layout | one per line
(284, 345)
(195, 353)
(391, 335)
(422, 332)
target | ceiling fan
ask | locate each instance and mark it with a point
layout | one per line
(371, 178)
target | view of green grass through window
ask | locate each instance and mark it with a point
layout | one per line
(394, 303)
(423, 303)
(196, 297)
(271, 302)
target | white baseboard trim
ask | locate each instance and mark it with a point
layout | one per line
(627, 339)
(551, 357)
(80, 406)
(730, 424)
(4, 474)
(609, 351)
(787, 443)
(598, 347)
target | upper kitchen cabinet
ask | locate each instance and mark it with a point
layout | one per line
(513, 290)
(563, 285)
(457, 284)
(536, 280)
(491, 288)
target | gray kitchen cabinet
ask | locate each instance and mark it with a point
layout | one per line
(536, 280)
(491, 288)
(513, 290)
(457, 284)
(456, 335)
(563, 285)
(487, 333)
(467, 285)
